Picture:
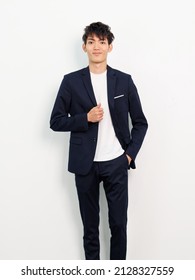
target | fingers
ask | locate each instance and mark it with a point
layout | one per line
(98, 113)
(95, 114)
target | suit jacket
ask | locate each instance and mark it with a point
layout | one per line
(76, 98)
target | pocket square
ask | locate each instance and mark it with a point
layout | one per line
(118, 96)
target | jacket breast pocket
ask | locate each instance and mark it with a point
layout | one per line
(121, 103)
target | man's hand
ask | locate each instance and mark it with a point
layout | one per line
(95, 114)
(129, 158)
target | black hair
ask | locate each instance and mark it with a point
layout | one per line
(100, 29)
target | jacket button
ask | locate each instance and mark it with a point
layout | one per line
(94, 139)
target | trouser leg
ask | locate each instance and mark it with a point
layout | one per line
(116, 189)
(88, 195)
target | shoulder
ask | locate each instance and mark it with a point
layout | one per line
(75, 74)
(118, 73)
(122, 77)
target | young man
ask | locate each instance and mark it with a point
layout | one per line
(95, 103)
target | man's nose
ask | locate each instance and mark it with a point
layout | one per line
(96, 45)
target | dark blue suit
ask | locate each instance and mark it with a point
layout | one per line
(74, 100)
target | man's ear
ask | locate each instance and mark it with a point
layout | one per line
(84, 47)
(110, 48)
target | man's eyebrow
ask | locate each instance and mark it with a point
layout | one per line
(101, 39)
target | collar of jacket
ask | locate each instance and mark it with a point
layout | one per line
(111, 81)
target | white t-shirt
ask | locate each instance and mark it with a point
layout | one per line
(108, 146)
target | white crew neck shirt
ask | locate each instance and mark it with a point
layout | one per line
(108, 146)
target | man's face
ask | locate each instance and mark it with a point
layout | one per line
(97, 49)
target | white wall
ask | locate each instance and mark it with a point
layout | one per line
(40, 42)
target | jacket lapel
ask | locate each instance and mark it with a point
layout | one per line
(111, 80)
(87, 82)
(111, 83)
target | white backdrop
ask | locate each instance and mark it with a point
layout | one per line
(40, 42)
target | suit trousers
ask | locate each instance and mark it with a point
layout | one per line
(114, 175)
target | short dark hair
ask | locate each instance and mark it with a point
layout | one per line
(100, 29)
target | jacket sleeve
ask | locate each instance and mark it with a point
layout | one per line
(61, 118)
(139, 123)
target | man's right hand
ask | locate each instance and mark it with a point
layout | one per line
(95, 114)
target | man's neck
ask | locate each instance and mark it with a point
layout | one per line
(97, 68)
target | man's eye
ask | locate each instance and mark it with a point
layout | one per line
(90, 42)
(102, 42)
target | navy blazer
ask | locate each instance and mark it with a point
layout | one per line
(76, 98)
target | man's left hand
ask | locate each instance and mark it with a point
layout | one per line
(129, 158)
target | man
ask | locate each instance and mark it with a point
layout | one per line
(95, 103)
